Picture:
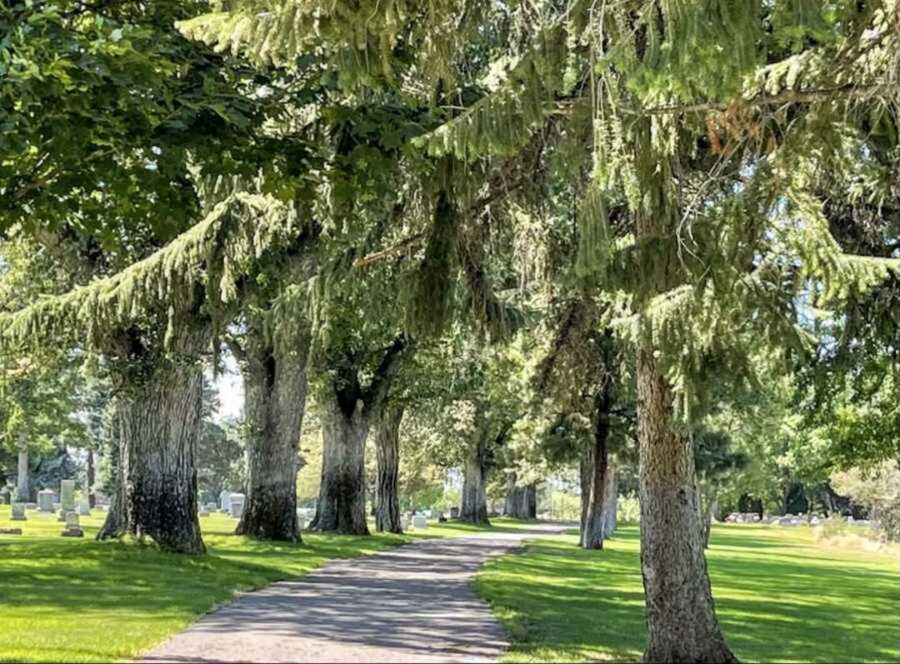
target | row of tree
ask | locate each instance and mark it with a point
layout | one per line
(534, 227)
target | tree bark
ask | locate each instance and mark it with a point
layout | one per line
(347, 410)
(611, 500)
(342, 492)
(23, 482)
(275, 402)
(521, 501)
(681, 618)
(595, 471)
(90, 478)
(116, 522)
(473, 502)
(387, 445)
(158, 422)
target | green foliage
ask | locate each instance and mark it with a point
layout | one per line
(103, 108)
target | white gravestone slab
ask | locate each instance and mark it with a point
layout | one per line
(18, 512)
(73, 526)
(225, 501)
(419, 522)
(67, 495)
(237, 505)
(45, 500)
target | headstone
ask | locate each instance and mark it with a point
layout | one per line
(73, 527)
(5, 496)
(203, 512)
(31, 506)
(84, 508)
(454, 512)
(419, 522)
(10, 531)
(18, 512)
(225, 501)
(67, 495)
(237, 505)
(211, 507)
(45, 500)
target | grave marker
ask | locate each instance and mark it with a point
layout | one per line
(45, 500)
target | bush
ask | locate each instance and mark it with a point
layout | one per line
(890, 521)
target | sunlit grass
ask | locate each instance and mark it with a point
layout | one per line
(779, 595)
(81, 600)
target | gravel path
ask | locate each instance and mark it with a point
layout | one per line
(413, 603)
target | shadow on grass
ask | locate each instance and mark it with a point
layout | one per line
(778, 597)
(82, 600)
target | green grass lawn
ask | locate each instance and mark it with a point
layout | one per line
(780, 597)
(78, 600)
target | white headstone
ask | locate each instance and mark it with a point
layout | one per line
(18, 512)
(419, 522)
(236, 505)
(73, 527)
(45, 500)
(67, 495)
(84, 508)
(225, 501)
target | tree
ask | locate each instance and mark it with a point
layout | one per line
(691, 271)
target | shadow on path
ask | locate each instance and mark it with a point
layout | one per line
(410, 604)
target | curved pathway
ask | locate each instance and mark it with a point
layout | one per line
(413, 603)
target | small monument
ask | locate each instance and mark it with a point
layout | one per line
(225, 500)
(419, 522)
(73, 527)
(5, 496)
(45, 500)
(18, 512)
(67, 495)
(236, 505)
(84, 507)
(203, 511)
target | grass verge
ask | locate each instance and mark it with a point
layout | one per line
(78, 600)
(779, 595)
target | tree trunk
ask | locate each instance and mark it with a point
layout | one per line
(91, 476)
(521, 501)
(342, 492)
(681, 618)
(23, 483)
(116, 522)
(596, 465)
(275, 388)
(473, 502)
(509, 502)
(387, 500)
(158, 421)
(611, 500)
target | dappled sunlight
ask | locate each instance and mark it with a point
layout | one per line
(779, 597)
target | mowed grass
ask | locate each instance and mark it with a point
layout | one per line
(78, 600)
(780, 596)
